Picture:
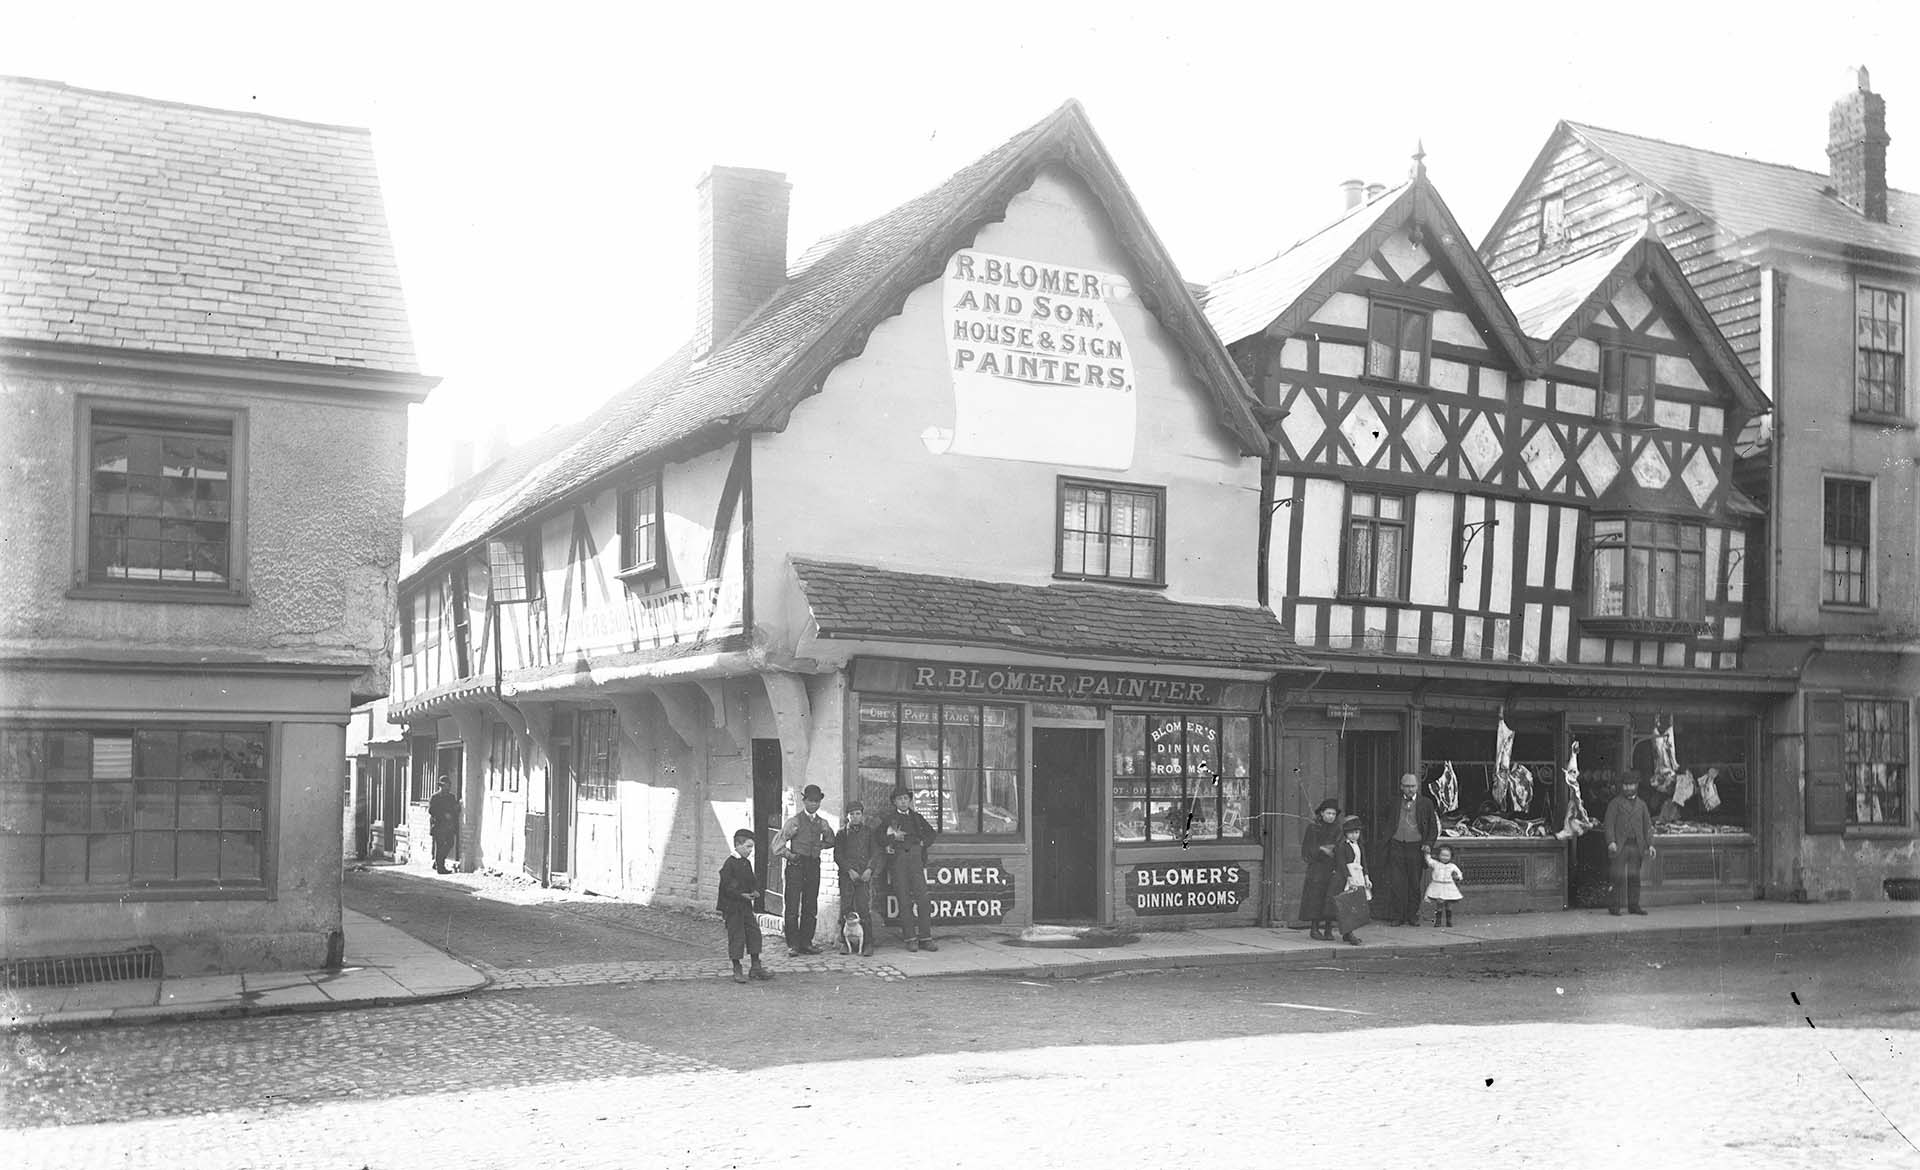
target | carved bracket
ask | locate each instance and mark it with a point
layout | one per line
(537, 719)
(682, 707)
(792, 718)
(732, 719)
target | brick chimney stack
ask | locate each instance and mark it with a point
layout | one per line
(743, 249)
(1857, 149)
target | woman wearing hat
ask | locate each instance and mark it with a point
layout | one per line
(1352, 866)
(1317, 848)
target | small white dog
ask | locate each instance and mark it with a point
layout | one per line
(854, 933)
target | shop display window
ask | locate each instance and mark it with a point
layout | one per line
(1485, 802)
(1182, 778)
(1876, 761)
(1707, 790)
(962, 761)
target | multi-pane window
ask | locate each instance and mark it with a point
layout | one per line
(1876, 761)
(598, 760)
(1110, 532)
(962, 761)
(513, 568)
(1397, 343)
(132, 807)
(1374, 565)
(159, 499)
(640, 544)
(1181, 777)
(1846, 519)
(1880, 332)
(505, 766)
(1648, 570)
(1626, 385)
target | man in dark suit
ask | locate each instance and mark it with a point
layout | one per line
(1406, 832)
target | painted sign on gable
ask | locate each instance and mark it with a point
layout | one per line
(1040, 369)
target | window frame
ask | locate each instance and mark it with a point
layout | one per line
(501, 555)
(1866, 575)
(655, 567)
(1627, 620)
(234, 590)
(262, 885)
(1852, 764)
(1141, 775)
(941, 768)
(1401, 309)
(595, 727)
(1065, 483)
(1897, 384)
(506, 764)
(1610, 403)
(1556, 235)
(1404, 523)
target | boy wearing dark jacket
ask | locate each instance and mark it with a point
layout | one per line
(905, 835)
(738, 889)
(855, 850)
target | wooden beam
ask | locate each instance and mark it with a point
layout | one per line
(681, 705)
(631, 707)
(538, 721)
(733, 721)
(792, 718)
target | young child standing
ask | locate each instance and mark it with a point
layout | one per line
(1443, 885)
(1352, 862)
(738, 889)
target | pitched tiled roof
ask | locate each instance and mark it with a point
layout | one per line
(1091, 621)
(1543, 304)
(838, 289)
(1745, 196)
(1244, 303)
(146, 225)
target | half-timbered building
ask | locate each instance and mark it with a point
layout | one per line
(1812, 279)
(1505, 532)
(957, 501)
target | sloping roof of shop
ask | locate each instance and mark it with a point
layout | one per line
(1745, 196)
(150, 225)
(1091, 621)
(835, 294)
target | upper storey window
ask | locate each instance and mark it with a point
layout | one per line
(1553, 219)
(642, 551)
(1626, 385)
(1648, 570)
(1880, 333)
(1397, 342)
(1112, 532)
(161, 504)
(1376, 552)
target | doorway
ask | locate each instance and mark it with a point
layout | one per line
(1066, 824)
(449, 764)
(1603, 759)
(1372, 762)
(767, 809)
(560, 806)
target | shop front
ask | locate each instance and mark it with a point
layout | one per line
(1068, 794)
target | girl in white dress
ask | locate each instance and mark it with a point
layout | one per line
(1443, 885)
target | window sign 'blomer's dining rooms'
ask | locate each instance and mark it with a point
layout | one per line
(1040, 369)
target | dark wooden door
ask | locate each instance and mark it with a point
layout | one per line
(1604, 758)
(560, 804)
(1310, 772)
(1066, 824)
(767, 780)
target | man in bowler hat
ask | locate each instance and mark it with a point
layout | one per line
(801, 841)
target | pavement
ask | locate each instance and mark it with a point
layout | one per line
(385, 965)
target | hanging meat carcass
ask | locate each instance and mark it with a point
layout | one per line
(1708, 789)
(1512, 784)
(1666, 757)
(1446, 789)
(1577, 821)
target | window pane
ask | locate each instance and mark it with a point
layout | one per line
(1164, 735)
(65, 861)
(876, 791)
(1203, 753)
(21, 754)
(1129, 820)
(1639, 590)
(960, 736)
(199, 805)
(19, 861)
(1239, 750)
(1144, 559)
(1096, 554)
(1130, 745)
(239, 856)
(1002, 811)
(919, 735)
(1691, 605)
(112, 808)
(110, 859)
(153, 805)
(1166, 820)
(20, 806)
(153, 856)
(1236, 806)
(242, 805)
(1002, 748)
(67, 809)
(1360, 557)
(198, 856)
(1382, 331)
(156, 754)
(1073, 552)
(879, 735)
(1387, 562)
(69, 755)
(961, 812)
(200, 755)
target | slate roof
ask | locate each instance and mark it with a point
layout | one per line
(1092, 621)
(148, 225)
(1244, 303)
(1543, 304)
(840, 287)
(1745, 196)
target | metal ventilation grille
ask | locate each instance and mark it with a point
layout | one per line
(1494, 871)
(1686, 866)
(66, 970)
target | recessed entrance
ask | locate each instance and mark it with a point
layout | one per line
(1066, 824)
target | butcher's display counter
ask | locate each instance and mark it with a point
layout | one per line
(1700, 867)
(1501, 875)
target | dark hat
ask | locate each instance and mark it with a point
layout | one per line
(1351, 824)
(901, 791)
(812, 792)
(853, 806)
(1324, 805)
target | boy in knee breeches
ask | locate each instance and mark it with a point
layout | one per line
(738, 890)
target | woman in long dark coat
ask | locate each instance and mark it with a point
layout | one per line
(1317, 848)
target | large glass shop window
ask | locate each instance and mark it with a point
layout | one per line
(1182, 778)
(962, 761)
(1709, 790)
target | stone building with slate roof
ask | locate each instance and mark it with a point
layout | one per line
(1813, 279)
(958, 500)
(205, 365)
(1498, 560)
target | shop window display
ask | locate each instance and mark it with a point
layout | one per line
(1494, 794)
(962, 761)
(1694, 773)
(1182, 778)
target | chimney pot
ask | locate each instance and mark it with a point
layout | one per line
(1857, 149)
(743, 249)
(1375, 190)
(1352, 191)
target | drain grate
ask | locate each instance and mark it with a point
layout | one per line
(66, 970)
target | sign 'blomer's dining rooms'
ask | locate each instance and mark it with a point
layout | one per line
(1047, 684)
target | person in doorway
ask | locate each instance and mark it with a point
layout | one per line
(1407, 831)
(1629, 830)
(738, 892)
(443, 817)
(904, 837)
(1317, 847)
(854, 851)
(1352, 863)
(1443, 885)
(801, 841)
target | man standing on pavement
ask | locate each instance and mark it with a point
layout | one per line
(443, 817)
(1409, 829)
(801, 841)
(854, 851)
(1629, 832)
(905, 835)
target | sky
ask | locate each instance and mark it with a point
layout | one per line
(539, 161)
